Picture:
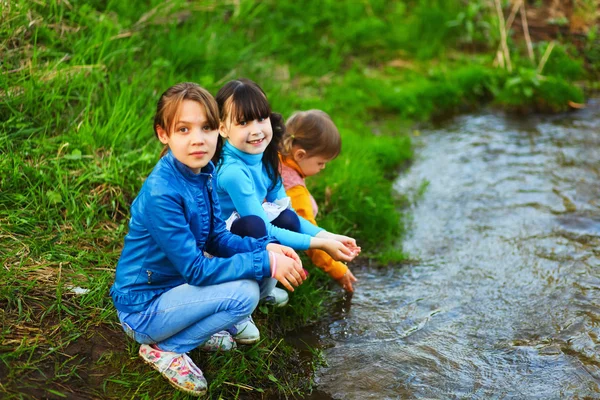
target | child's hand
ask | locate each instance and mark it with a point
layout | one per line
(349, 242)
(286, 270)
(346, 240)
(337, 250)
(346, 281)
(285, 250)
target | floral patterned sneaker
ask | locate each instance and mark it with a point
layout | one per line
(179, 369)
(220, 341)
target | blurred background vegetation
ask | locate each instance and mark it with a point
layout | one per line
(79, 81)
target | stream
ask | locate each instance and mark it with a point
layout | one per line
(502, 299)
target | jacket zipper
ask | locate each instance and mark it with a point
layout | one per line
(149, 277)
(210, 202)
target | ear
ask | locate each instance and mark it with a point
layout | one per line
(162, 135)
(222, 130)
(299, 154)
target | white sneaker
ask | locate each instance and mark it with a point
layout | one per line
(277, 297)
(245, 332)
(220, 341)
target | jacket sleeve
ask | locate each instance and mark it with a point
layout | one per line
(169, 228)
(301, 202)
(239, 185)
(223, 243)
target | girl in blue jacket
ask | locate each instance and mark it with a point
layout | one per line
(252, 197)
(171, 297)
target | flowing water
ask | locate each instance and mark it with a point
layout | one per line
(503, 300)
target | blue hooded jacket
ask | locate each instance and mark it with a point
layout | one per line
(174, 219)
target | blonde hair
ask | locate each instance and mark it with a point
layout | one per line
(167, 109)
(314, 132)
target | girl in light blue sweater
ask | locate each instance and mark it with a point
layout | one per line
(249, 186)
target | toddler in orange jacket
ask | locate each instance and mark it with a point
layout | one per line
(311, 140)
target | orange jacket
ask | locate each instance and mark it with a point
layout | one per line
(306, 207)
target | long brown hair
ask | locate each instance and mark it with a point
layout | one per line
(242, 99)
(312, 131)
(170, 101)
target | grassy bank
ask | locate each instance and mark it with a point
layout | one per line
(78, 84)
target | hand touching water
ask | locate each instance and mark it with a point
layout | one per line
(346, 281)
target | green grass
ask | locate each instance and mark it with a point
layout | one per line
(78, 84)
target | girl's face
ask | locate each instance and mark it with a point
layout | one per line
(309, 165)
(192, 141)
(251, 137)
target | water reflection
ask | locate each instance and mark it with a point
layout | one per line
(504, 300)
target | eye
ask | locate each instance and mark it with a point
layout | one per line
(183, 129)
(206, 128)
(243, 123)
(261, 119)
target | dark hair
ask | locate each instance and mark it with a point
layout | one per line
(170, 101)
(243, 100)
(313, 131)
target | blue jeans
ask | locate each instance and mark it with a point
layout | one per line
(186, 316)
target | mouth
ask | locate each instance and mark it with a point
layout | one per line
(256, 142)
(198, 153)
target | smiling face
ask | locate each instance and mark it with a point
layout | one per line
(250, 136)
(191, 140)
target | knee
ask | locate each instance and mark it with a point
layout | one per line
(250, 225)
(288, 220)
(248, 294)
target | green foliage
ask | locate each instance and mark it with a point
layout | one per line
(553, 92)
(475, 24)
(592, 50)
(429, 27)
(441, 93)
(561, 64)
(527, 89)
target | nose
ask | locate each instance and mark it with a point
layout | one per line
(198, 137)
(255, 128)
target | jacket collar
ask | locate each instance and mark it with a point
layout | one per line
(250, 159)
(187, 173)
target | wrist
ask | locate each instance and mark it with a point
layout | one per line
(317, 243)
(323, 234)
(273, 259)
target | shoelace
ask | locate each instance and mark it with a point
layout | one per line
(186, 360)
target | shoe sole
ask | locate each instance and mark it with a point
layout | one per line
(247, 341)
(281, 304)
(275, 304)
(187, 391)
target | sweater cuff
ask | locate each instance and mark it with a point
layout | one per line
(338, 270)
(264, 241)
(262, 264)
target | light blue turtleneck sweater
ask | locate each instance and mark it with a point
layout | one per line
(243, 185)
